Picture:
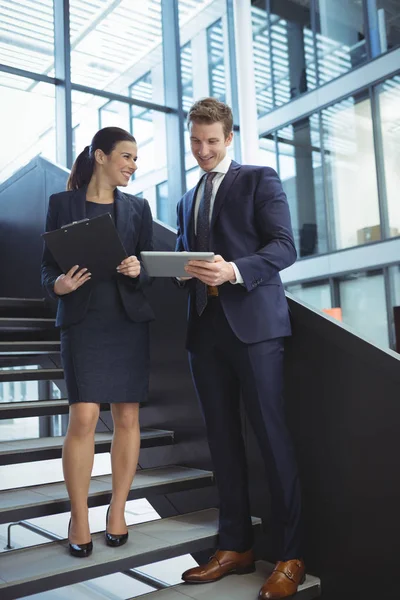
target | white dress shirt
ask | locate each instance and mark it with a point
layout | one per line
(221, 169)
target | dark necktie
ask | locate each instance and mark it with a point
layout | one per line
(202, 237)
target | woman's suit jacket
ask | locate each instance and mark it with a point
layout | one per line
(135, 228)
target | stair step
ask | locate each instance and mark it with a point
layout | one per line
(28, 347)
(22, 302)
(234, 588)
(51, 499)
(33, 408)
(20, 451)
(25, 323)
(48, 566)
(31, 375)
(24, 307)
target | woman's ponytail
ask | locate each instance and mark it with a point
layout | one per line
(82, 170)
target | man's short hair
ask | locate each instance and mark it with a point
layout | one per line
(211, 110)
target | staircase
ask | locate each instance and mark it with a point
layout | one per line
(27, 339)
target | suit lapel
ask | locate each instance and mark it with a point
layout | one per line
(122, 219)
(223, 190)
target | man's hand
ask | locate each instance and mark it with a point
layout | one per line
(71, 281)
(211, 273)
(130, 267)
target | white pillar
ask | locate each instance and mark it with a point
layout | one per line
(246, 82)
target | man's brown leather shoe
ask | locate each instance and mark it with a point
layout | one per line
(223, 562)
(284, 580)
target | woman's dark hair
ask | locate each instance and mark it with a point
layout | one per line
(106, 140)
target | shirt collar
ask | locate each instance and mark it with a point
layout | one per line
(222, 167)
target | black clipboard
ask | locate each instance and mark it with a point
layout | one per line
(91, 243)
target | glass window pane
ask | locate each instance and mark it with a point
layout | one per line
(389, 24)
(317, 295)
(163, 210)
(389, 119)
(192, 178)
(216, 61)
(267, 152)
(27, 122)
(340, 37)
(90, 113)
(189, 9)
(363, 303)
(292, 49)
(114, 44)
(187, 76)
(301, 174)
(351, 171)
(27, 35)
(262, 60)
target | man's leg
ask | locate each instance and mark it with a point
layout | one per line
(218, 391)
(261, 377)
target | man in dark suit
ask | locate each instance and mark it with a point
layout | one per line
(238, 318)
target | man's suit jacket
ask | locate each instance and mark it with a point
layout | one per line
(251, 226)
(135, 228)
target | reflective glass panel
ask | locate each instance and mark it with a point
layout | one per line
(292, 49)
(340, 37)
(351, 171)
(363, 304)
(27, 122)
(27, 35)
(301, 174)
(389, 121)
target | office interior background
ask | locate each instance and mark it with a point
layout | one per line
(317, 80)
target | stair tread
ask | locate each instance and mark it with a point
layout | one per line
(15, 446)
(31, 496)
(34, 408)
(233, 588)
(4, 406)
(49, 565)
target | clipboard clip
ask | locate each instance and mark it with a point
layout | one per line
(74, 223)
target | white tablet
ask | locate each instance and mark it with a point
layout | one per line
(171, 264)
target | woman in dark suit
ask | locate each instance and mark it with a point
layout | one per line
(104, 329)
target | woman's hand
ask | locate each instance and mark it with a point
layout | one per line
(65, 284)
(130, 267)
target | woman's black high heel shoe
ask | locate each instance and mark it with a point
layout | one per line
(79, 550)
(113, 539)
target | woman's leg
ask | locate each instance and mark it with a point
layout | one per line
(77, 459)
(124, 457)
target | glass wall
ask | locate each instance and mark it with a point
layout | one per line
(33, 132)
(299, 153)
(363, 304)
(351, 171)
(216, 61)
(317, 295)
(389, 124)
(388, 15)
(292, 49)
(340, 36)
(111, 48)
(27, 35)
